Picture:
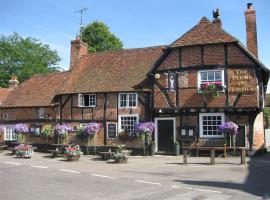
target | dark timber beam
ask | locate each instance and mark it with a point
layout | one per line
(226, 75)
(165, 93)
(104, 118)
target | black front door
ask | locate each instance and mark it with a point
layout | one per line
(165, 134)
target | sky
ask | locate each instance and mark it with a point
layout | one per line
(138, 23)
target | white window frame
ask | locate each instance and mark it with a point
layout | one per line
(127, 101)
(81, 100)
(199, 77)
(126, 115)
(201, 115)
(5, 116)
(12, 133)
(41, 113)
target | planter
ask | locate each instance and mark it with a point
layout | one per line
(24, 154)
(176, 149)
(120, 160)
(152, 148)
(73, 158)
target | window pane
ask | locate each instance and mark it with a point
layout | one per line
(218, 76)
(203, 76)
(211, 76)
(86, 100)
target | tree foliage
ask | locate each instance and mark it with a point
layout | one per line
(25, 57)
(99, 38)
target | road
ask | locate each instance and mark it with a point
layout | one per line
(143, 178)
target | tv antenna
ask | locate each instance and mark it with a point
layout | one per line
(81, 24)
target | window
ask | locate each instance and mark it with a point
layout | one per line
(4, 116)
(127, 100)
(41, 113)
(127, 123)
(210, 76)
(9, 133)
(209, 123)
(87, 100)
(35, 130)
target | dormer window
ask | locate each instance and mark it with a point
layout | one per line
(87, 100)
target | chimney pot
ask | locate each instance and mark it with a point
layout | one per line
(249, 6)
(13, 82)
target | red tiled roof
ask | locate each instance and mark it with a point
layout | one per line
(37, 91)
(3, 94)
(111, 71)
(205, 32)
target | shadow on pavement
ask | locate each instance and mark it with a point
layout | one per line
(256, 183)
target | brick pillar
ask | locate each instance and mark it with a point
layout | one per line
(251, 30)
(78, 49)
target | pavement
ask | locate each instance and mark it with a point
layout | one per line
(158, 177)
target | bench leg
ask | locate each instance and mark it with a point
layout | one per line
(212, 158)
(185, 156)
(243, 156)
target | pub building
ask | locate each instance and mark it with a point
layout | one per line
(162, 84)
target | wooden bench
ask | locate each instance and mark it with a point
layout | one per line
(212, 152)
(2, 147)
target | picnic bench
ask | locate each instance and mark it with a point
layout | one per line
(213, 152)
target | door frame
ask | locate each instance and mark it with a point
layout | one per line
(156, 129)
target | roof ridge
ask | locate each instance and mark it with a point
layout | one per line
(128, 49)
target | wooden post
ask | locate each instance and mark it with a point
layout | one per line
(225, 152)
(185, 156)
(212, 158)
(243, 156)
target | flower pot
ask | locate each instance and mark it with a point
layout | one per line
(72, 158)
(152, 148)
(176, 149)
(120, 160)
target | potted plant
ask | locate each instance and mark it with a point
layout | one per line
(126, 136)
(24, 151)
(210, 90)
(89, 131)
(47, 133)
(61, 131)
(145, 131)
(176, 148)
(21, 129)
(152, 148)
(229, 130)
(120, 155)
(73, 152)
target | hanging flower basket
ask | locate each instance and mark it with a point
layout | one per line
(211, 90)
(20, 130)
(60, 132)
(89, 131)
(229, 130)
(24, 151)
(145, 131)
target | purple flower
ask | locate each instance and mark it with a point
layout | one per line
(21, 128)
(228, 128)
(91, 129)
(146, 127)
(2, 128)
(61, 129)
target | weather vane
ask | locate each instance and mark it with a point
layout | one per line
(81, 24)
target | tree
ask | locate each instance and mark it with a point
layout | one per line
(25, 57)
(99, 38)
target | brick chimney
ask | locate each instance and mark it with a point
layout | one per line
(251, 30)
(13, 82)
(78, 49)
